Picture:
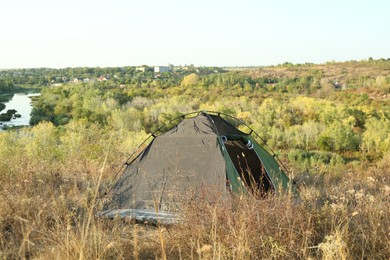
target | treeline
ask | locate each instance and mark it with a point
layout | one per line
(309, 121)
(284, 78)
(309, 112)
(120, 75)
(96, 100)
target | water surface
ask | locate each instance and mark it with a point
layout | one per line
(21, 102)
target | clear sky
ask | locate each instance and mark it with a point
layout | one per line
(73, 33)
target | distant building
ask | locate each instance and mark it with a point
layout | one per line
(102, 78)
(142, 69)
(161, 69)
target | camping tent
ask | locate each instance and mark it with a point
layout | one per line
(201, 151)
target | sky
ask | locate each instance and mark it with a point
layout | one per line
(92, 33)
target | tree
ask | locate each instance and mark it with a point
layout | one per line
(190, 80)
(376, 137)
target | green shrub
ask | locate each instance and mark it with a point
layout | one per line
(314, 158)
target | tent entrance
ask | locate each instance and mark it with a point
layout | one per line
(249, 166)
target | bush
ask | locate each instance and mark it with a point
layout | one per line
(314, 158)
(5, 117)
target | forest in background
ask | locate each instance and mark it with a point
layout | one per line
(329, 123)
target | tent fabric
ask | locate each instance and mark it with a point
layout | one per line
(279, 178)
(169, 166)
(191, 156)
(250, 169)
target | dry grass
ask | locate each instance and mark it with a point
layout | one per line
(44, 219)
(329, 70)
(48, 211)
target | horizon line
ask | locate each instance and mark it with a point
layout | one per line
(197, 66)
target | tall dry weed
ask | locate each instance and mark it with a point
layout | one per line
(48, 210)
(244, 227)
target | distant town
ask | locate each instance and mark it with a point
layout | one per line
(9, 78)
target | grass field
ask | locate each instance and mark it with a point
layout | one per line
(48, 210)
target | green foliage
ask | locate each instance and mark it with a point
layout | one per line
(340, 137)
(129, 119)
(376, 137)
(42, 143)
(311, 159)
(285, 121)
(291, 106)
(7, 116)
(6, 84)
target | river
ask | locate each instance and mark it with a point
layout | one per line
(22, 103)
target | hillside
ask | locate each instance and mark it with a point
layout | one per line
(367, 76)
(329, 123)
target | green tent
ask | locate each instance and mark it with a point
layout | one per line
(201, 151)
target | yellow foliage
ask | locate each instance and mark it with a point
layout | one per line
(190, 80)
(244, 115)
(42, 143)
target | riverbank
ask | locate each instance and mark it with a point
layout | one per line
(6, 94)
(17, 111)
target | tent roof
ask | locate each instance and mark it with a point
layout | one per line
(188, 157)
(204, 124)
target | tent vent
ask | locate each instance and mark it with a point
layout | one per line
(249, 145)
